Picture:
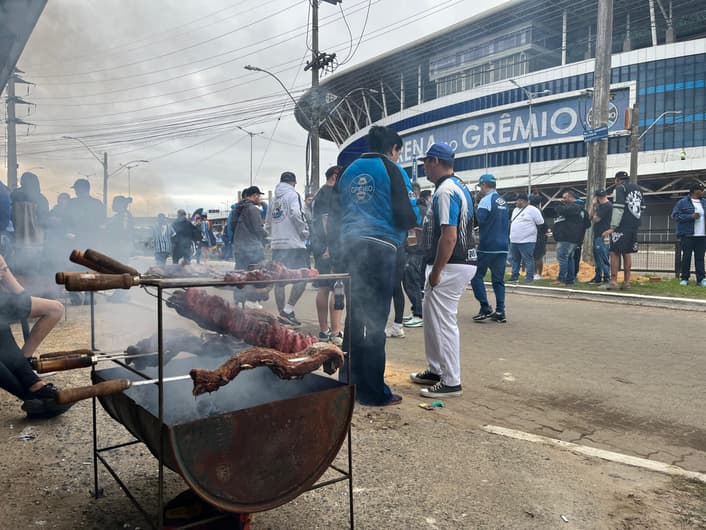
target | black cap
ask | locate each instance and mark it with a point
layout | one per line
(252, 190)
(600, 193)
(288, 176)
(695, 186)
(81, 183)
(622, 175)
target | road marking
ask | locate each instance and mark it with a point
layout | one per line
(619, 458)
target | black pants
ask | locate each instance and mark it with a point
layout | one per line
(413, 281)
(16, 375)
(693, 245)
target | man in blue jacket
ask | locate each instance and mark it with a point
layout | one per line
(688, 212)
(372, 209)
(494, 224)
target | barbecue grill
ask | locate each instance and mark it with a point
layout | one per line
(253, 445)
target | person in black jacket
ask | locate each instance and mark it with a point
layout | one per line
(248, 233)
(569, 228)
(185, 234)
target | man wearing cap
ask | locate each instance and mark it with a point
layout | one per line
(86, 215)
(624, 223)
(450, 265)
(689, 213)
(524, 222)
(494, 224)
(248, 233)
(601, 211)
(372, 210)
(289, 232)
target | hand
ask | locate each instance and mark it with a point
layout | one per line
(696, 215)
(607, 232)
(434, 277)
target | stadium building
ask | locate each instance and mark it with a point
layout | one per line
(515, 82)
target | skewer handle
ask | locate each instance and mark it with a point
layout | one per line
(59, 364)
(78, 257)
(105, 388)
(69, 353)
(92, 281)
(109, 263)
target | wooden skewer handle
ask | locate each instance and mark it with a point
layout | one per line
(107, 262)
(78, 257)
(59, 364)
(69, 353)
(92, 281)
(105, 388)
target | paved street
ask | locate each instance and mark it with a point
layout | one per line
(623, 378)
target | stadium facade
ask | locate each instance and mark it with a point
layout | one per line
(468, 85)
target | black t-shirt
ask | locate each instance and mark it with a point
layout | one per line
(604, 211)
(320, 210)
(629, 197)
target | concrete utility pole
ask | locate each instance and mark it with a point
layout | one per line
(598, 150)
(12, 121)
(313, 184)
(634, 141)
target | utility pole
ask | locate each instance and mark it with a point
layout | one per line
(12, 121)
(634, 141)
(598, 150)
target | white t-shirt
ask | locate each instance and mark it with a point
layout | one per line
(699, 226)
(524, 223)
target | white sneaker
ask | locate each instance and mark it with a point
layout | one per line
(407, 318)
(537, 276)
(394, 331)
(253, 305)
(414, 322)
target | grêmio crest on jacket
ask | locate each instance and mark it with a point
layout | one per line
(502, 205)
(362, 188)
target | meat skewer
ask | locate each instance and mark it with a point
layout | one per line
(286, 366)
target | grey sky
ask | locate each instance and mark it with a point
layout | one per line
(105, 70)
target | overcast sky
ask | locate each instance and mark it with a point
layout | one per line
(163, 80)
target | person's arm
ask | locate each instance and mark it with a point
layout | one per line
(618, 208)
(255, 222)
(682, 212)
(405, 214)
(444, 249)
(296, 212)
(485, 208)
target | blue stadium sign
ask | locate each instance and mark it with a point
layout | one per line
(557, 121)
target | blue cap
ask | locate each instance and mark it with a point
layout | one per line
(486, 178)
(441, 151)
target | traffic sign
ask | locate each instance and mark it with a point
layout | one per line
(593, 135)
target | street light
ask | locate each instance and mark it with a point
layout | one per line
(250, 134)
(666, 113)
(530, 97)
(129, 165)
(635, 140)
(103, 162)
(258, 69)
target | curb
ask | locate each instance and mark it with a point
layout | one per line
(665, 302)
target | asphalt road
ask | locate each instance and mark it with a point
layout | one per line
(623, 378)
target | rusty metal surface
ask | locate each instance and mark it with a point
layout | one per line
(255, 456)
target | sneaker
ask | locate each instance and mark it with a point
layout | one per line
(289, 319)
(498, 316)
(427, 377)
(514, 280)
(414, 322)
(394, 331)
(253, 305)
(324, 336)
(440, 390)
(610, 286)
(337, 339)
(594, 281)
(537, 276)
(702, 283)
(407, 318)
(483, 314)
(683, 283)
(624, 286)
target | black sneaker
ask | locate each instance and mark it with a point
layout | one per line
(324, 336)
(483, 314)
(427, 377)
(498, 316)
(594, 281)
(289, 319)
(440, 390)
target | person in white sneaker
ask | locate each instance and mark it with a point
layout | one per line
(688, 213)
(451, 264)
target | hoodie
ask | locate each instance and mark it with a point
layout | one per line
(285, 219)
(248, 233)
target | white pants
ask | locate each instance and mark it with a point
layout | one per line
(441, 337)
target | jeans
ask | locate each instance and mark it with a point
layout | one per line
(16, 375)
(371, 264)
(696, 245)
(413, 281)
(601, 256)
(496, 264)
(522, 252)
(567, 266)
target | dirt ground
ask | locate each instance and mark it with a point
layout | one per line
(412, 469)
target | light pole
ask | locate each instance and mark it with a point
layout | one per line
(635, 139)
(103, 162)
(530, 98)
(250, 134)
(129, 165)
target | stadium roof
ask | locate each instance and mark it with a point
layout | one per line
(17, 20)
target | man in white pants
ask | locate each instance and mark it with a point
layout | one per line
(451, 264)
